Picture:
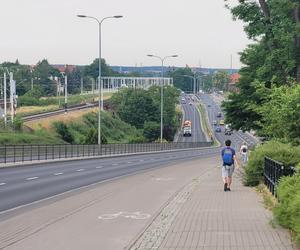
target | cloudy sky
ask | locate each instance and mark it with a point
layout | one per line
(199, 31)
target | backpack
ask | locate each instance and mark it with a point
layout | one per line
(228, 156)
(244, 150)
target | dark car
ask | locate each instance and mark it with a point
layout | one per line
(218, 130)
(219, 114)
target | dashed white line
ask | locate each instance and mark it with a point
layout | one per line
(80, 170)
(2, 183)
(99, 167)
(31, 178)
(129, 162)
(141, 160)
(115, 164)
(56, 174)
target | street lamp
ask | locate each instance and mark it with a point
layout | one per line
(100, 103)
(161, 92)
(194, 78)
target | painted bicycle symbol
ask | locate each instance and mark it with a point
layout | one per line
(128, 215)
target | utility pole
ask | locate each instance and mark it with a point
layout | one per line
(12, 95)
(31, 83)
(66, 92)
(5, 107)
(93, 86)
(81, 85)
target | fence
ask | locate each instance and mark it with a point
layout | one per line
(22, 153)
(273, 171)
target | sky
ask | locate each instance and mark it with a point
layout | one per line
(201, 32)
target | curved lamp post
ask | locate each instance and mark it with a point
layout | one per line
(162, 59)
(100, 83)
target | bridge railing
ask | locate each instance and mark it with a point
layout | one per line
(273, 171)
(22, 153)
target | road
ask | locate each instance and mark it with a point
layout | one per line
(24, 185)
(237, 137)
(192, 114)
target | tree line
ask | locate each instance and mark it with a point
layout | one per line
(269, 90)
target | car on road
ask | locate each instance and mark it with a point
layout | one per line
(219, 115)
(218, 130)
(190, 103)
(228, 131)
(208, 105)
(222, 122)
(215, 123)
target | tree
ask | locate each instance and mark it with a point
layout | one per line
(270, 62)
(221, 80)
(181, 82)
(151, 131)
(43, 73)
(92, 70)
(135, 106)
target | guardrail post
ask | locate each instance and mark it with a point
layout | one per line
(14, 153)
(4, 153)
(31, 152)
(22, 153)
(46, 152)
(38, 152)
(65, 150)
(52, 151)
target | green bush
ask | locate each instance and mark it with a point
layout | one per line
(63, 131)
(285, 153)
(151, 131)
(287, 212)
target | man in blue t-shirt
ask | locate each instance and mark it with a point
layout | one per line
(228, 157)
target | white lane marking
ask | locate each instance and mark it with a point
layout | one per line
(99, 167)
(141, 160)
(129, 162)
(56, 174)
(2, 183)
(80, 170)
(115, 164)
(128, 215)
(31, 178)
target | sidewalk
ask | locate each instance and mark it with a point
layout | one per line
(203, 216)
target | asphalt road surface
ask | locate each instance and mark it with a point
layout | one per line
(27, 184)
(191, 113)
(237, 137)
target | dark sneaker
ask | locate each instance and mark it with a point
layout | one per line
(228, 189)
(225, 187)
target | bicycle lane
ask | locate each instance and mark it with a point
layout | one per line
(105, 216)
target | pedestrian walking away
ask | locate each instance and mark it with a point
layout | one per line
(229, 158)
(244, 153)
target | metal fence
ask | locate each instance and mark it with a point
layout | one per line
(22, 153)
(273, 171)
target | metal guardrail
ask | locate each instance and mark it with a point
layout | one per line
(273, 171)
(22, 153)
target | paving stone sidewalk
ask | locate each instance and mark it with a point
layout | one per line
(210, 218)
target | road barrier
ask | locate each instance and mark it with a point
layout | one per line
(273, 171)
(22, 153)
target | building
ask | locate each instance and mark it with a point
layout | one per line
(62, 68)
(234, 79)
